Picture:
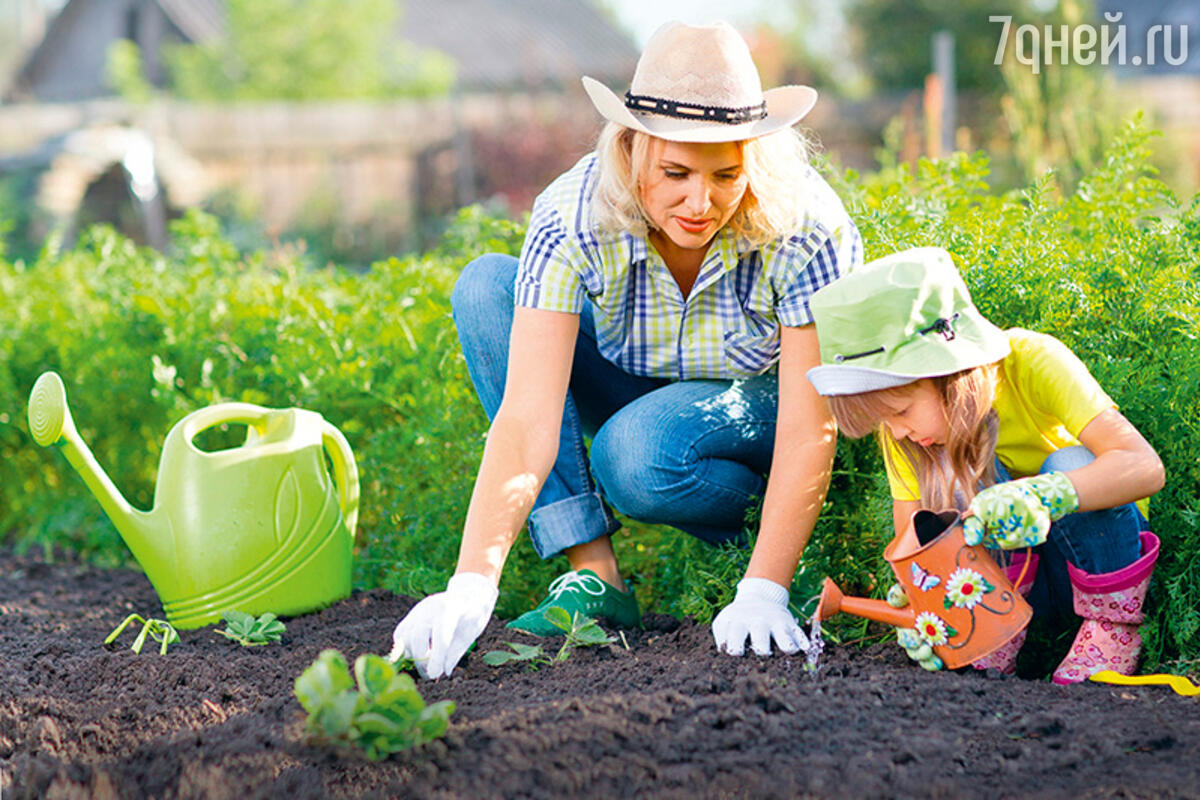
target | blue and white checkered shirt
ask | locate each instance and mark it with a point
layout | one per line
(728, 327)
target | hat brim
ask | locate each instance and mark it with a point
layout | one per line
(985, 345)
(786, 105)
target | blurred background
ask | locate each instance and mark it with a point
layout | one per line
(355, 128)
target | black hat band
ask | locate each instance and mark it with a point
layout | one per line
(673, 108)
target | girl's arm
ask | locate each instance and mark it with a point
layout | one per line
(805, 442)
(902, 511)
(523, 439)
(1126, 467)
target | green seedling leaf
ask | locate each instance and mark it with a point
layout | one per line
(250, 631)
(124, 624)
(520, 652)
(384, 714)
(595, 635)
(335, 717)
(164, 633)
(496, 658)
(404, 664)
(374, 675)
(559, 618)
(323, 680)
(583, 632)
(160, 630)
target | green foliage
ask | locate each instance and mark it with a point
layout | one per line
(249, 631)
(143, 338)
(307, 50)
(1110, 270)
(160, 630)
(384, 715)
(124, 74)
(578, 631)
(1060, 118)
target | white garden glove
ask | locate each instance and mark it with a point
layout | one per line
(439, 629)
(759, 610)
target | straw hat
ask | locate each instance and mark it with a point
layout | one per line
(896, 320)
(699, 84)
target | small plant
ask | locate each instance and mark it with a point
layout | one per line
(158, 629)
(250, 631)
(384, 715)
(580, 631)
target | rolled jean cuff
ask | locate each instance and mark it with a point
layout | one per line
(565, 523)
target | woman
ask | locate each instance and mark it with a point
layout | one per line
(661, 280)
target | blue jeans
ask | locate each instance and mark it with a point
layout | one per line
(1095, 541)
(691, 454)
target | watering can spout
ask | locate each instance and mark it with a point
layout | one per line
(50, 423)
(833, 602)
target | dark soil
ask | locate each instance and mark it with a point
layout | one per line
(669, 717)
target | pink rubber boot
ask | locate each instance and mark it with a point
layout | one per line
(1005, 659)
(1111, 607)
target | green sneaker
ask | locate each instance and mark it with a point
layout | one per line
(585, 592)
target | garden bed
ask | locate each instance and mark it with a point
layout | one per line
(666, 717)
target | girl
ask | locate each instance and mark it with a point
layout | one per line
(660, 305)
(1006, 424)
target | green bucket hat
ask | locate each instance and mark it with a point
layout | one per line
(896, 320)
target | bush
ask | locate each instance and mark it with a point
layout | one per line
(143, 338)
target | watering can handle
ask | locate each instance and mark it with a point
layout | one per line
(1024, 567)
(345, 473)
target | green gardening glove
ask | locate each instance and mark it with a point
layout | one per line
(917, 648)
(1018, 513)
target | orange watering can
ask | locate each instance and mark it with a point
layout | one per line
(959, 599)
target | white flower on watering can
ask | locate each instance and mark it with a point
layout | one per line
(965, 588)
(932, 628)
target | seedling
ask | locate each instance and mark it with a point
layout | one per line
(384, 715)
(580, 631)
(250, 631)
(160, 630)
(403, 664)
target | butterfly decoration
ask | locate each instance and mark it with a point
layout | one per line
(923, 579)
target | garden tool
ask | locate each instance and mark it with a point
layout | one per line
(1179, 684)
(255, 528)
(960, 601)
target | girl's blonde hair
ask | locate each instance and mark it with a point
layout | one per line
(948, 475)
(771, 208)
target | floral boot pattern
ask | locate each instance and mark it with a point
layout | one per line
(1005, 658)
(1111, 607)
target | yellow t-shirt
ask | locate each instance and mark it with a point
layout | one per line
(1044, 397)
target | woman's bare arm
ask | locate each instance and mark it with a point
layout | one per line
(523, 439)
(805, 442)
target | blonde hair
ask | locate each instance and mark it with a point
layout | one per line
(771, 208)
(949, 475)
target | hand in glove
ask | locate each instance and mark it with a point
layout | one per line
(917, 648)
(759, 610)
(1018, 513)
(439, 629)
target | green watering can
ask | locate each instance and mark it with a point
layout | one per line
(256, 528)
